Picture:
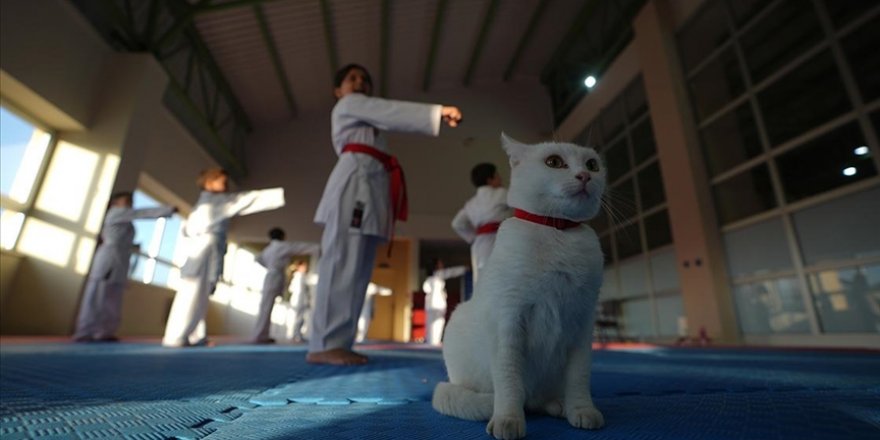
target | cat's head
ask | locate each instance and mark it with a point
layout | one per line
(555, 179)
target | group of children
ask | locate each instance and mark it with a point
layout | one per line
(365, 194)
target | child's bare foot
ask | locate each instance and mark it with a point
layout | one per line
(336, 356)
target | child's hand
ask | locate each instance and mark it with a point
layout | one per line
(451, 115)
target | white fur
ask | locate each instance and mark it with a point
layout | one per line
(524, 341)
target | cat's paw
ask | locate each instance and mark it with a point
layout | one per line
(585, 417)
(507, 427)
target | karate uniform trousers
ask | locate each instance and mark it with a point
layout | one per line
(355, 211)
(435, 302)
(275, 258)
(100, 310)
(205, 241)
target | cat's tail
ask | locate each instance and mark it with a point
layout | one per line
(464, 403)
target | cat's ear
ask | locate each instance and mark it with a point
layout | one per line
(513, 148)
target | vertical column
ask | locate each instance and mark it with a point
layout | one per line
(701, 263)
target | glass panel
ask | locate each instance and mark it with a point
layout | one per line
(804, 98)
(22, 150)
(842, 12)
(637, 322)
(773, 306)
(612, 120)
(703, 34)
(787, 31)
(848, 300)
(657, 229)
(616, 158)
(634, 277)
(854, 220)
(621, 200)
(828, 162)
(743, 10)
(643, 141)
(651, 186)
(768, 236)
(605, 242)
(875, 119)
(136, 269)
(590, 136)
(169, 237)
(716, 84)
(670, 316)
(731, 140)
(743, 195)
(664, 271)
(861, 50)
(162, 274)
(609, 289)
(636, 103)
(628, 241)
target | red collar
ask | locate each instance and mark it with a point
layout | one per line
(558, 223)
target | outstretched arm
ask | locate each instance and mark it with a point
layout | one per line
(250, 202)
(292, 248)
(399, 116)
(126, 215)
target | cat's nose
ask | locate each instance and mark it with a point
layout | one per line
(583, 176)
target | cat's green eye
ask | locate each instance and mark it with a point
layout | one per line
(593, 165)
(554, 161)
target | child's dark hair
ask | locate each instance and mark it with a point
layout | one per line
(341, 73)
(276, 234)
(210, 174)
(118, 195)
(481, 174)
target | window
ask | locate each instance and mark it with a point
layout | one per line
(730, 140)
(23, 151)
(155, 241)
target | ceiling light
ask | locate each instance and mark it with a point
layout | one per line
(849, 171)
(861, 151)
(590, 81)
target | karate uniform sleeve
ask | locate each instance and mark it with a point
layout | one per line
(250, 202)
(391, 115)
(298, 247)
(452, 272)
(463, 227)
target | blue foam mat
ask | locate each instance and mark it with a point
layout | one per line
(142, 391)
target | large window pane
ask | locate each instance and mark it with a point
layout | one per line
(705, 32)
(634, 278)
(731, 140)
(605, 242)
(842, 229)
(636, 103)
(599, 223)
(609, 289)
(848, 300)
(831, 161)
(657, 229)
(784, 33)
(864, 58)
(743, 195)
(617, 160)
(613, 120)
(621, 200)
(804, 98)
(22, 150)
(773, 306)
(664, 271)
(637, 322)
(842, 12)
(743, 10)
(741, 247)
(628, 241)
(643, 141)
(716, 84)
(651, 186)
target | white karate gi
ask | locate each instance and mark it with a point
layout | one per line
(435, 302)
(301, 300)
(367, 312)
(358, 183)
(101, 307)
(275, 258)
(205, 244)
(488, 205)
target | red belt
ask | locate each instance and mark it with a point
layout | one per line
(399, 205)
(488, 228)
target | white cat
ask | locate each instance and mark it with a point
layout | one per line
(524, 341)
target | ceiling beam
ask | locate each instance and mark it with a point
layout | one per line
(488, 18)
(269, 40)
(327, 15)
(230, 4)
(384, 42)
(525, 38)
(435, 41)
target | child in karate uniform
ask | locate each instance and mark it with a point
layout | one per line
(435, 300)
(479, 219)
(101, 307)
(275, 258)
(205, 243)
(363, 197)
